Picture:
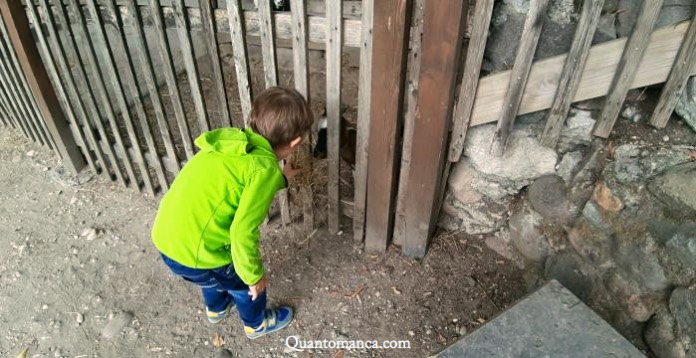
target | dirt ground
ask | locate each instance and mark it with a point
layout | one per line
(64, 288)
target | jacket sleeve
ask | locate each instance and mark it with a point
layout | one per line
(253, 207)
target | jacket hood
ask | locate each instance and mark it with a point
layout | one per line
(233, 141)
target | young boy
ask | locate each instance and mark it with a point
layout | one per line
(207, 226)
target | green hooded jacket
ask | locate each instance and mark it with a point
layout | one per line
(211, 214)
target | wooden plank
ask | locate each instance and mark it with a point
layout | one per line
(333, 109)
(147, 69)
(443, 27)
(21, 38)
(129, 80)
(90, 55)
(25, 92)
(363, 135)
(414, 62)
(270, 70)
(678, 77)
(5, 99)
(628, 66)
(301, 76)
(241, 60)
(4, 117)
(11, 97)
(78, 79)
(106, 54)
(66, 90)
(211, 44)
(470, 78)
(599, 72)
(191, 68)
(572, 71)
(390, 43)
(170, 77)
(520, 74)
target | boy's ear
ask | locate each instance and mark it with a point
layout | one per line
(295, 142)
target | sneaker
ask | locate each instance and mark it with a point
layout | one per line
(275, 320)
(216, 317)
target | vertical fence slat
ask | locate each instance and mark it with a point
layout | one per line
(267, 43)
(83, 40)
(470, 78)
(299, 51)
(409, 118)
(628, 66)
(333, 108)
(103, 51)
(241, 61)
(19, 116)
(678, 77)
(363, 135)
(443, 30)
(6, 99)
(390, 41)
(190, 63)
(4, 118)
(21, 38)
(131, 84)
(9, 80)
(53, 71)
(170, 77)
(151, 83)
(25, 93)
(572, 71)
(73, 100)
(210, 33)
(520, 75)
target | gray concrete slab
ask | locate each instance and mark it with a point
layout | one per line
(550, 322)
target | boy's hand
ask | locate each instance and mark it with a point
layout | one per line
(289, 171)
(256, 290)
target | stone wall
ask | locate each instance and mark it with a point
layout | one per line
(613, 220)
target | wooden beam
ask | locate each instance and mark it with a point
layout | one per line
(520, 74)
(572, 71)
(333, 109)
(470, 78)
(628, 66)
(19, 33)
(210, 34)
(241, 60)
(678, 77)
(410, 101)
(363, 135)
(599, 71)
(389, 40)
(442, 35)
(301, 76)
(270, 70)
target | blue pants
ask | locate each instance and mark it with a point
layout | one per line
(220, 286)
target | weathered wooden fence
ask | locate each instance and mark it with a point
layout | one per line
(112, 68)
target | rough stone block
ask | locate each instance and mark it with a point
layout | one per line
(551, 322)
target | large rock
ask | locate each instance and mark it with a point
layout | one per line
(634, 299)
(661, 336)
(686, 106)
(482, 217)
(577, 131)
(525, 159)
(673, 11)
(642, 267)
(682, 304)
(678, 256)
(526, 234)
(569, 165)
(633, 162)
(677, 187)
(547, 196)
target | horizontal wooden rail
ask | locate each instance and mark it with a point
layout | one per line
(599, 72)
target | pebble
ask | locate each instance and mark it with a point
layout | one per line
(44, 307)
(665, 138)
(79, 318)
(31, 153)
(411, 333)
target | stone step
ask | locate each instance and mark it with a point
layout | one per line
(550, 322)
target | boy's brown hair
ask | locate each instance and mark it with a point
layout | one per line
(280, 115)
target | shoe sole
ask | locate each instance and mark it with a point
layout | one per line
(227, 313)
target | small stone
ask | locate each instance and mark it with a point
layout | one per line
(682, 305)
(79, 317)
(44, 307)
(31, 153)
(411, 333)
(661, 336)
(665, 138)
(73, 201)
(604, 197)
(89, 234)
(461, 330)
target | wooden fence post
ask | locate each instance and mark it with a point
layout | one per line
(17, 24)
(443, 29)
(389, 39)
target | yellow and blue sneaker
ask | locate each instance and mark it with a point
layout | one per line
(216, 317)
(275, 320)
